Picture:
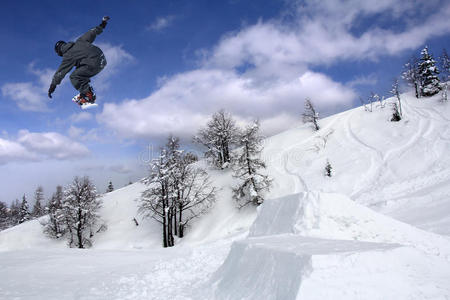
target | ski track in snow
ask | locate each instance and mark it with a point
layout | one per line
(380, 162)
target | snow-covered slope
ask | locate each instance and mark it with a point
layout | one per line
(324, 246)
(377, 229)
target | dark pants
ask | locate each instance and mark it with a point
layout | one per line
(81, 77)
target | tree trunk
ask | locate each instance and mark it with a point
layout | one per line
(164, 217)
(79, 230)
(175, 205)
(170, 239)
(416, 87)
(181, 230)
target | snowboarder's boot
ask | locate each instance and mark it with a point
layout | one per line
(87, 97)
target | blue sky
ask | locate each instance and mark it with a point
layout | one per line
(171, 64)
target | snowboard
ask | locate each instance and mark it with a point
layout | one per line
(86, 105)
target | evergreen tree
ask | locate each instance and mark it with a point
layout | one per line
(14, 213)
(218, 137)
(24, 212)
(396, 107)
(38, 210)
(80, 208)
(4, 216)
(328, 169)
(248, 169)
(412, 76)
(445, 66)
(110, 187)
(444, 97)
(430, 84)
(310, 115)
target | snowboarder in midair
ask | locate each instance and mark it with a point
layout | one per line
(88, 59)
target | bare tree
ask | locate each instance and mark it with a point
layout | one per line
(81, 205)
(155, 200)
(310, 115)
(219, 136)
(55, 226)
(411, 75)
(178, 191)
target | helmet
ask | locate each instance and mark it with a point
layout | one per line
(58, 46)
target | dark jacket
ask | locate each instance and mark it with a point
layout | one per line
(80, 53)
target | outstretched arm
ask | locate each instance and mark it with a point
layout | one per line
(92, 34)
(64, 68)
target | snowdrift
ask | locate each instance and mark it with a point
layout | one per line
(303, 242)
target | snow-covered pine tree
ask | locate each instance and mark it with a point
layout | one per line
(444, 97)
(38, 209)
(430, 83)
(412, 76)
(445, 66)
(110, 187)
(55, 226)
(24, 212)
(397, 113)
(14, 213)
(328, 169)
(219, 136)
(310, 115)
(248, 169)
(81, 205)
(4, 216)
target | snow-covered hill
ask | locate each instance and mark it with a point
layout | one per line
(377, 229)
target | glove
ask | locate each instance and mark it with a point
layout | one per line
(104, 21)
(51, 90)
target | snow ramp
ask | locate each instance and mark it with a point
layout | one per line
(324, 246)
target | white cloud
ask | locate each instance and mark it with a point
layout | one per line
(186, 101)
(26, 95)
(75, 132)
(51, 145)
(322, 34)
(13, 151)
(81, 117)
(30, 96)
(31, 146)
(264, 70)
(116, 58)
(161, 23)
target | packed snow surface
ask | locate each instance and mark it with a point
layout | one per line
(377, 229)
